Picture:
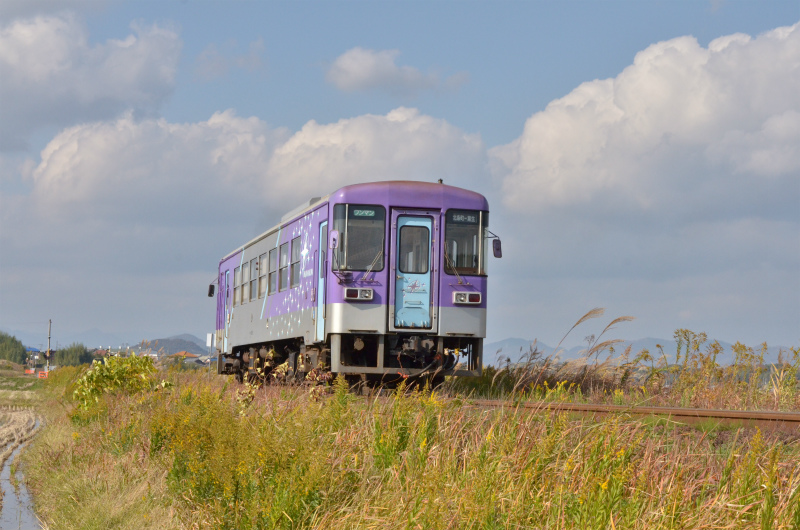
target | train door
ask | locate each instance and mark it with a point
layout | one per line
(412, 264)
(226, 313)
(321, 270)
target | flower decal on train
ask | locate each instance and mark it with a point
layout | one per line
(415, 287)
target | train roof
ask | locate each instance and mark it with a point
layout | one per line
(408, 193)
(417, 193)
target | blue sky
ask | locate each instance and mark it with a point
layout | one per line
(518, 55)
(638, 156)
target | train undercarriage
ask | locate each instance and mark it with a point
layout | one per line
(374, 359)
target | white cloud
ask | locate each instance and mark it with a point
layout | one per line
(771, 151)
(213, 63)
(402, 145)
(360, 69)
(668, 190)
(117, 167)
(52, 75)
(153, 166)
(680, 127)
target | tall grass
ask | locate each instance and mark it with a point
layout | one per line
(690, 377)
(207, 453)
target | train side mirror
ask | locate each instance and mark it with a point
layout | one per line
(333, 239)
(497, 248)
(210, 290)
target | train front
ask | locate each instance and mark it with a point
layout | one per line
(407, 280)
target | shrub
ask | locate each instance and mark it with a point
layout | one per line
(115, 374)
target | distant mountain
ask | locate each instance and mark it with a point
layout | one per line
(513, 349)
(191, 338)
(184, 342)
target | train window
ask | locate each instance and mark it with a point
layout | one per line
(295, 268)
(414, 249)
(262, 275)
(245, 282)
(464, 241)
(237, 286)
(362, 232)
(273, 271)
(284, 270)
(253, 278)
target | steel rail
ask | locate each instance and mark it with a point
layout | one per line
(767, 419)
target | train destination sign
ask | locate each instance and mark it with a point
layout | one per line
(464, 218)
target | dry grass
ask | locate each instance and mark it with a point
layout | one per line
(206, 454)
(79, 481)
(200, 451)
(692, 377)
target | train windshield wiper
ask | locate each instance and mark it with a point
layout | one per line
(374, 261)
(452, 266)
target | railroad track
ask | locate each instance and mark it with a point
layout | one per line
(765, 420)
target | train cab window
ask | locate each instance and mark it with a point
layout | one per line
(237, 286)
(245, 282)
(362, 233)
(465, 241)
(295, 265)
(284, 270)
(262, 275)
(414, 249)
(273, 271)
(253, 278)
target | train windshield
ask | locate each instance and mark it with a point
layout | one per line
(466, 243)
(362, 230)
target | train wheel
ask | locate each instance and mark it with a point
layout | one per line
(358, 384)
(254, 378)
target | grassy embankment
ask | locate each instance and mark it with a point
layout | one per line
(203, 452)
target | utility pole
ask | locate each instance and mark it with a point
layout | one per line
(49, 325)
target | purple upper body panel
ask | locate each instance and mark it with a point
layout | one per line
(409, 194)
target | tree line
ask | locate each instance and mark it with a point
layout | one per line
(11, 349)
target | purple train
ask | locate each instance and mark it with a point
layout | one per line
(381, 280)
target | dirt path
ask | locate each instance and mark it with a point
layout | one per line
(18, 424)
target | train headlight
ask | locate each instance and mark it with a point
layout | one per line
(460, 297)
(353, 293)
